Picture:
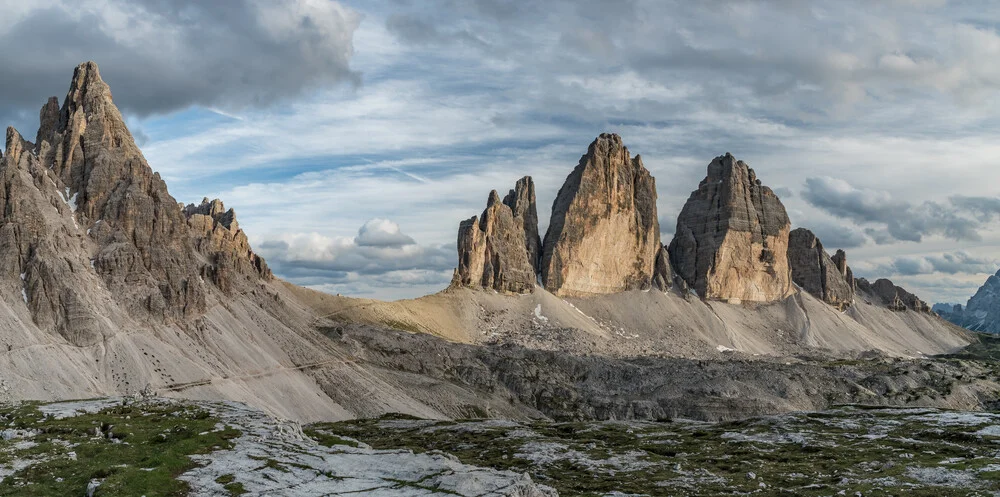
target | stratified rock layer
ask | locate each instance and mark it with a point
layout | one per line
(493, 249)
(732, 237)
(604, 235)
(816, 272)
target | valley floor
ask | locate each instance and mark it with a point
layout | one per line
(165, 447)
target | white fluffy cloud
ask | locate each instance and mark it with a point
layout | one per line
(379, 256)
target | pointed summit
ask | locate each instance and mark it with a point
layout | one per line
(493, 249)
(604, 235)
(115, 218)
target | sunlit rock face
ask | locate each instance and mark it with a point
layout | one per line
(604, 236)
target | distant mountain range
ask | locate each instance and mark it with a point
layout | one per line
(981, 312)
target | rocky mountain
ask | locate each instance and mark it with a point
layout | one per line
(732, 237)
(817, 273)
(498, 250)
(981, 312)
(108, 287)
(604, 236)
(884, 292)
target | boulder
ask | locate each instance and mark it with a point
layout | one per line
(816, 272)
(731, 240)
(604, 236)
(493, 251)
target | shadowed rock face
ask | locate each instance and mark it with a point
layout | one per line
(86, 221)
(884, 292)
(816, 272)
(732, 237)
(840, 260)
(493, 249)
(604, 235)
(521, 201)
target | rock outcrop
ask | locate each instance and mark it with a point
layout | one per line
(816, 272)
(521, 201)
(663, 276)
(840, 260)
(732, 237)
(494, 249)
(883, 292)
(216, 234)
(604, 236)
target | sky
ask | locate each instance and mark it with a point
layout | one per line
(352, 137)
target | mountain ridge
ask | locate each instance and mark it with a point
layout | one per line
(108, 286)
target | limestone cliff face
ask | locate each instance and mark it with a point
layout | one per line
(816, 272)
(732, 237)
(663, 275)
(840, 261)
(92, 231)
(604, 235)
(883, 292)
(493, 249)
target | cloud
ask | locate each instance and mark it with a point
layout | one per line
(950, 263)
(961, 219)
(382, 233)
(837, 236)
(379, 256)
(160, 56)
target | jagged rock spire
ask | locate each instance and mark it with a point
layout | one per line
(521, 200)
(816, 272)
(493, 249)
(604, 235)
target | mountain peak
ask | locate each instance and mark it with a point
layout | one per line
(606, 208)
(113, 215)
(732, 213)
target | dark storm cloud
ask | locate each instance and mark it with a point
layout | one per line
(161, 55)
(961, 219)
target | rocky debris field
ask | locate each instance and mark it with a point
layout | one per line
(584, 387)
(162, 447)
(848, 450)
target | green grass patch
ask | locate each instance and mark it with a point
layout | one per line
(135, 449)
